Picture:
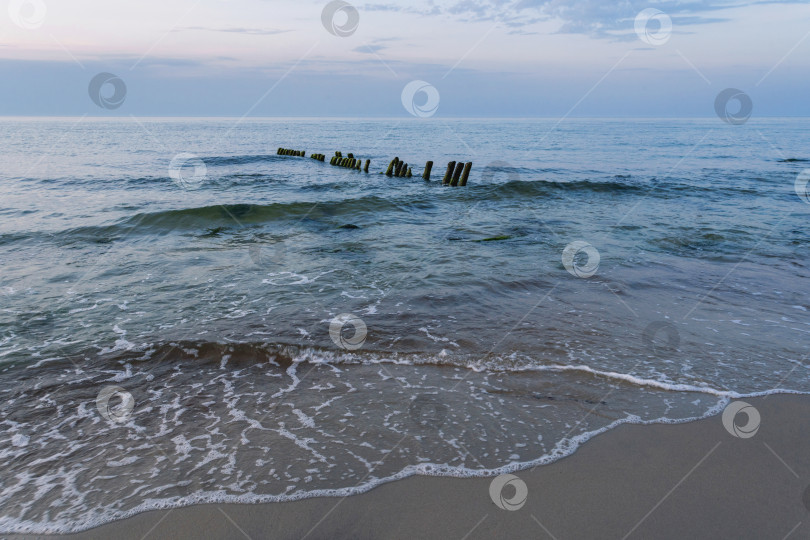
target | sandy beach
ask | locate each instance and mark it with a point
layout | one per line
(692, 480)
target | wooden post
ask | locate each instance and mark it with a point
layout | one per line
(350, 155)
(428, 167)
(410, 173)
(448, 175)
(465, 174)
(398, 172)
(457, 174)
(368, 162)
(391, 166)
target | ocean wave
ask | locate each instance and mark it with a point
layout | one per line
(240, 159)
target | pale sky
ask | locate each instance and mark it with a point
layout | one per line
(484, 57)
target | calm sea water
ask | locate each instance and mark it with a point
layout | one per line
(205, 300)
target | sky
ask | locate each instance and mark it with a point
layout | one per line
(454, 58)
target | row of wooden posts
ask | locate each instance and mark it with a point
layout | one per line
(288, 152)
(350, 162)
(457, 173)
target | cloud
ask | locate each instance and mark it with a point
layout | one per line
(598, 18)
(247, 31)
(369, 49)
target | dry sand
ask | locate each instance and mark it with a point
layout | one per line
(691, 480)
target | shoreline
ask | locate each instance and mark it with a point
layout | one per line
(692, 479)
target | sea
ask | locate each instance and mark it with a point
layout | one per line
(187, 316)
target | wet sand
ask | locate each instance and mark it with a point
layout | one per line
(692, 480)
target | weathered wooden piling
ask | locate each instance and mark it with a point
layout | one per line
(410, 173)
(392, 167)
(457, 174)
(426, 174)
(404, 171)
(465, 174)
(350, 155)
(398, 171)
(358, 164)
(449, 173)
(368, 162)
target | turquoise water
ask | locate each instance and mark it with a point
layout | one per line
(207, 296)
